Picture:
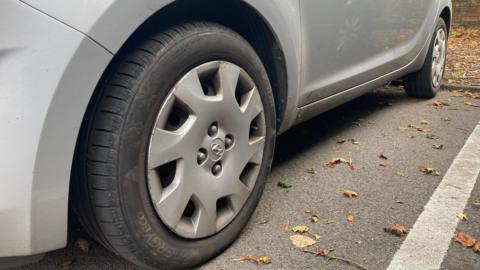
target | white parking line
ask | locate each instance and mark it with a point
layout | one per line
(427, 242)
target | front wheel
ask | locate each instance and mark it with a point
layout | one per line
(426, 82)
(176, 148)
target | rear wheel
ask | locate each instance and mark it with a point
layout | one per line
(426, 82)
(176, 148)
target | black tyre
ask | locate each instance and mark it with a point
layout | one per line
(426, 82)
(189, 112)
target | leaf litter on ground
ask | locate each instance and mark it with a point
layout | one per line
(396, 229)
(253, 258)
(302, 241)
(300, 229)
(425, 169)
(284, 184)
(335, 161)
(350, 194)
(463, 239)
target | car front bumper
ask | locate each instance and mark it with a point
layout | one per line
(36, 56)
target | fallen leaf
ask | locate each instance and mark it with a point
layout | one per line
(311, 171)
(415, 128)
(285, 226)
(83, 245)
(462, 216)
(265, 260)
(446, 119)
(350, 218)
(284, 184)
(355, 142)
(424, 122)
(464, 239)
(476, 247)
(382, 156)
(382, 165)
(324, 252)
(328, 221)
(341, 141)
(314, 218)
(439, 104)
(261, 260)
(396, 229)
(316, 236)
(438, 146)
(350, 194)
(263, 221)
(400, 174)
(428, 170)
(64, 264)
(476, 202)
(308, 212)
(431, 136)
(302, 241)
(469, 103)
(300, 229)
(332, 163)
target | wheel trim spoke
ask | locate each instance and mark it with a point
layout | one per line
(228, 76)
(239, 195)
(189, 92)
(205, 219)
(166, 146)
(253, 106)
(172, 204)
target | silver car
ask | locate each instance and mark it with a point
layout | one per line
(155, 120)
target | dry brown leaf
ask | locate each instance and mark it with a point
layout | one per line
(261, 260)
(396, 229)
(263, 221)
(300, 229)
(285, 226)
(332, 163)
(439, 104)
(428, 170)
(462, 216)
(302, 241)
(382, 156)
(438, 146)
(314, 218)
(469, 103)
(350, 218)
(350, 194)
(415, 128)
(476, 247)
(464, 239)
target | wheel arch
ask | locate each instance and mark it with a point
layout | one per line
(240, 16)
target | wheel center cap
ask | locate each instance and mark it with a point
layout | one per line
(217, 148)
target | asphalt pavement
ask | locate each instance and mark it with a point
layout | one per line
(390, 189)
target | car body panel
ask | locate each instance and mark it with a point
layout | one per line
(50, 65)
(44, 64)
(360, 40)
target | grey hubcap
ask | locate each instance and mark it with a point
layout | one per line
(439, 53)
(206, 149)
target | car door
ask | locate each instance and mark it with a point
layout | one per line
(349, 42)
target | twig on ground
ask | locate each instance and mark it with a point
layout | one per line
(326, 253)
